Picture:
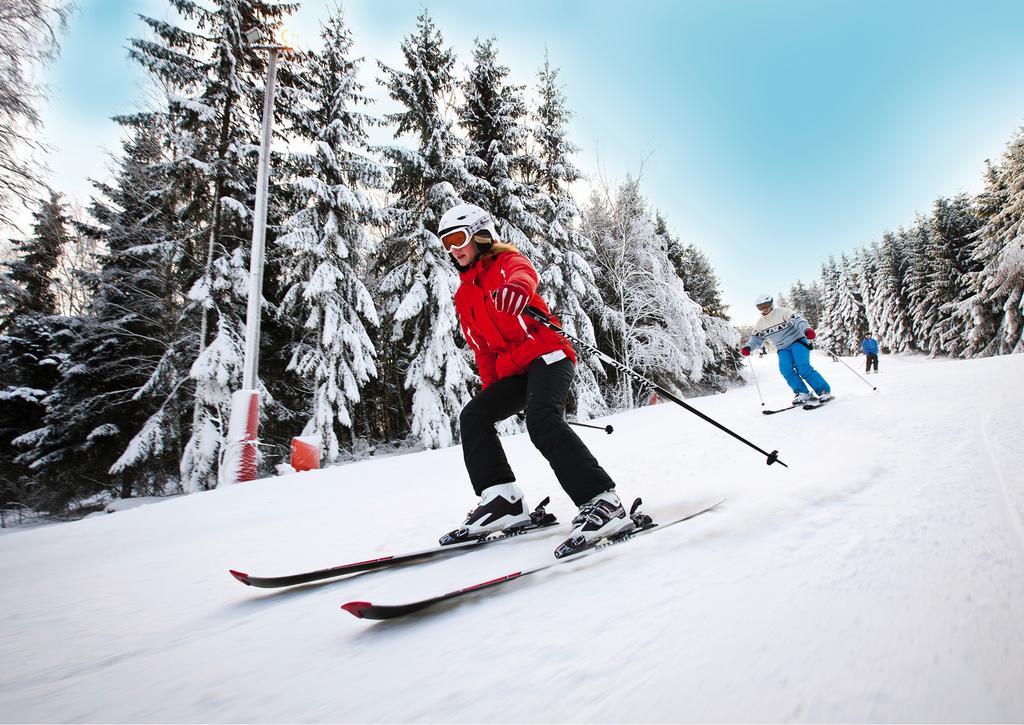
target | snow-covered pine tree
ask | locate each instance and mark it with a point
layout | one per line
(866, 259)
(647, 320)
(416, 281)
(31, 347)
(566, 278)
(694, 270)
(920, 266)
(952, 224)
(34, 261)
(842, 310)
(91, 440)
(999, 249)
(806, 299)
(215, 82)
(983, 312)
(894, 327)
(852, 323)
(827, 323)
(493, 116)
(326, 243)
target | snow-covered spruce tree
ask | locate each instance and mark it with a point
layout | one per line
(920, 266)
(999, 249)
(850, 318)
(836, 301)
(695, 270)
(215, 84)
(416, 281)
(31, 346)
(984, 313)
(699, 280)
(894, 330)
(326, 243)
(493, 117)
(952, 224)
(647, 320)
(806, 299)
(94, 436)
(566, 278)
(34, 260)
(866, 259)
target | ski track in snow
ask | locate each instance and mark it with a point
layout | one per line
(879, 578)
(1013, 512)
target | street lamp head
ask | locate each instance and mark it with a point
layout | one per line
(255, 40)
(285, 38)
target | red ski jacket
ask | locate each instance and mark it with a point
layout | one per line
(504, 345)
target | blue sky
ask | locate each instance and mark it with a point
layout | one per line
(771, 134)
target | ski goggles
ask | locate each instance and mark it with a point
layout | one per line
(456, 239)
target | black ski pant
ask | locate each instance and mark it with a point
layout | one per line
(872, 361)
(543, 391)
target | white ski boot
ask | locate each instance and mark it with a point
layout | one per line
(599, 518)
(501, 507)
(823, 397)
(802, 398)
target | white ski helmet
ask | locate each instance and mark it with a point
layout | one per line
(763, 300)
(472, 219)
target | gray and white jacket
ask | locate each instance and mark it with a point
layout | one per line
(781, 326)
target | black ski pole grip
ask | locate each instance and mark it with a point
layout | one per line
(536, 314)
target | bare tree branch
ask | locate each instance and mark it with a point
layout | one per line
(29, 40)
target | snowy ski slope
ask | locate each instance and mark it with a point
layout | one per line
(879, 578)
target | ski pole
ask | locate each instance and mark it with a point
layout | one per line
(756, 384)
(837, 359)
(545, 320)
(606, 428)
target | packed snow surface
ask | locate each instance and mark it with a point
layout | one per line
(878, 578)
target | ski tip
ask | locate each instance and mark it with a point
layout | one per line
(240, 576)
(356, 609)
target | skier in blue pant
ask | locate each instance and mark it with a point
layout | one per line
(789, 332)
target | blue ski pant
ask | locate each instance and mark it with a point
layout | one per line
(795, 366)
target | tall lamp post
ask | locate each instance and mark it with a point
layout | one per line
(240, 455)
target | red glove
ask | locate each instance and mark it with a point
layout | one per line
(745, 352)
(511, 298)
(810, 334)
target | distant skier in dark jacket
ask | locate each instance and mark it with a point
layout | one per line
(869, 346)
(789, 332)
(521, 364)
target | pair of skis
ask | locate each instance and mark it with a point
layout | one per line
(369, 610)
(809, 405)
(643, 524)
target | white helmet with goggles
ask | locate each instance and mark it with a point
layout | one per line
(463, 222)
(763, 300)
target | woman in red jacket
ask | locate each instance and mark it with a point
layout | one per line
(521, 364)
